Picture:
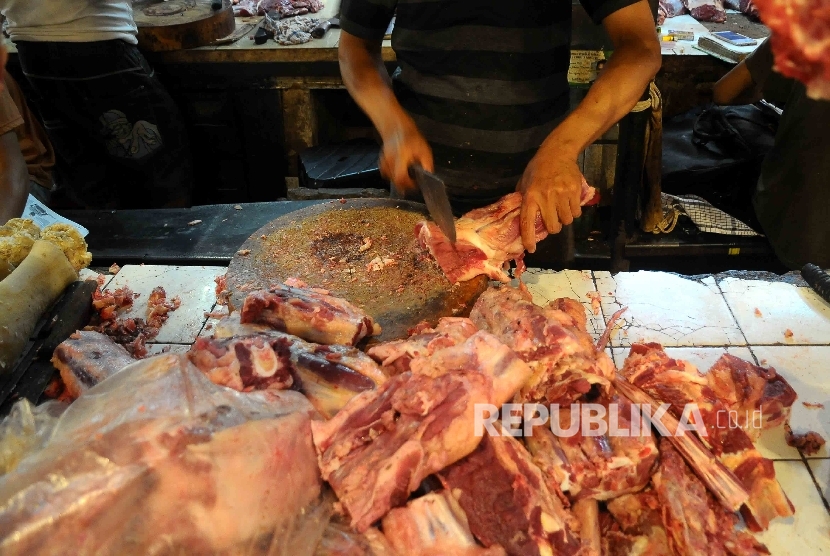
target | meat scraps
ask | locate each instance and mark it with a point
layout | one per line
(160, 460)
(329, 376)
(87, 358)
(383, 443)
(286, 8)
(746, 7)
(696, 524)
(397, 355)
(309, 313)
(800, 29)
(640, 517)
(679, 384)
(433, 524)
(809, 442)
(340, 540)
(706, 10)
(552, 340)
(600, 467)
(746, 389)
(508, 503)
(486, 239)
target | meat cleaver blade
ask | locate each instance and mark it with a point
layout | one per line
(435, 197)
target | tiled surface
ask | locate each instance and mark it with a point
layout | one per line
(668, 309)
(806, 369)
(821, 473)
(547, 286)
(194, 285)
(156, 349)
(780, 307)
(807, 533)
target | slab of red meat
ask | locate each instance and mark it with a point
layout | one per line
(383, 443)
(554, 342)
(507, 502)
(160, 460)
(670, 8)
(640, 516)
(744, 6)
(696, 524)
(706, 10)
(746, 388)
(433, 524)
(678, 383)
(800, 31)
(486, 239)
(597, 467)
(310, 314)
(328, 375)
(87, 358)
(396, 356)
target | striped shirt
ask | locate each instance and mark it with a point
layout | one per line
(485, 81)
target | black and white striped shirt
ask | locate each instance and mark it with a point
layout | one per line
(485, 81)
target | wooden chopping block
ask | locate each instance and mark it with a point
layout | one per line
(362, 250)
(180, 24)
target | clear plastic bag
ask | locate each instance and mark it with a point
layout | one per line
(158, 460)
(25, 430)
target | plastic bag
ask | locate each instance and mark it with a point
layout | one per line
(158, 460)
(25, 430)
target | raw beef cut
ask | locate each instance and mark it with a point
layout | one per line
(433, 524)
(746, 389)
(383, 443)
(706, 10)
(486, 239)
(695, 523)
(507, 502)
(744, 6)
(329, 376)
(87, 358)
(310, 313)
(397, 355)
(159, 460)
(800, 41)
(553, 341)
(679, 383)
(669, 8)
(340, 540)
(597, 467)
(641, 518)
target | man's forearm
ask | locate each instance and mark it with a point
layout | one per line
(369, 84)
(14, 178)
(610, 98)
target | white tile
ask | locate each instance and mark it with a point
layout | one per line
(156, 349)
(547, 285)
(821, 472)
(194, 285)
(806, 369)
(668, 309)
(212, 319)
(780, 307)
(807, 533)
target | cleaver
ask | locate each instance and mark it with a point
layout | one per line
(435, 197)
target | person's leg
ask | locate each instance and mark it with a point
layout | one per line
(120, 139)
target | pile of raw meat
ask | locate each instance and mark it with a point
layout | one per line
(286, 8)
(280, 435)
(704, 10)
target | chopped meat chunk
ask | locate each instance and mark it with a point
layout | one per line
(433, 524)
(809, 442)
(309, 314)
(507, 502)
(87, 358)
(554, 342)
(486, 239)
(383, 443)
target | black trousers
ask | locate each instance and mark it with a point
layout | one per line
(119, 138)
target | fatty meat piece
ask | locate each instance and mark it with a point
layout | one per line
(87, 358)
(706, 10)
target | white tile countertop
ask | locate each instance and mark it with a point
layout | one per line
(774, 324)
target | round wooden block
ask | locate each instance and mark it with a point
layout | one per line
(181, 24)
(363, 250)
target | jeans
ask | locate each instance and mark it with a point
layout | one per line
(119, 138)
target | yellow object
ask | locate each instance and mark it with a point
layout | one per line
(667, 38)
(26, 293)
(71, 243)
(734, 250)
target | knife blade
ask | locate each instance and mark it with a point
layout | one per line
(818, 280)
(435, 196)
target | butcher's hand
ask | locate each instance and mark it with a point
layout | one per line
(551, 185)
(403, 147)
